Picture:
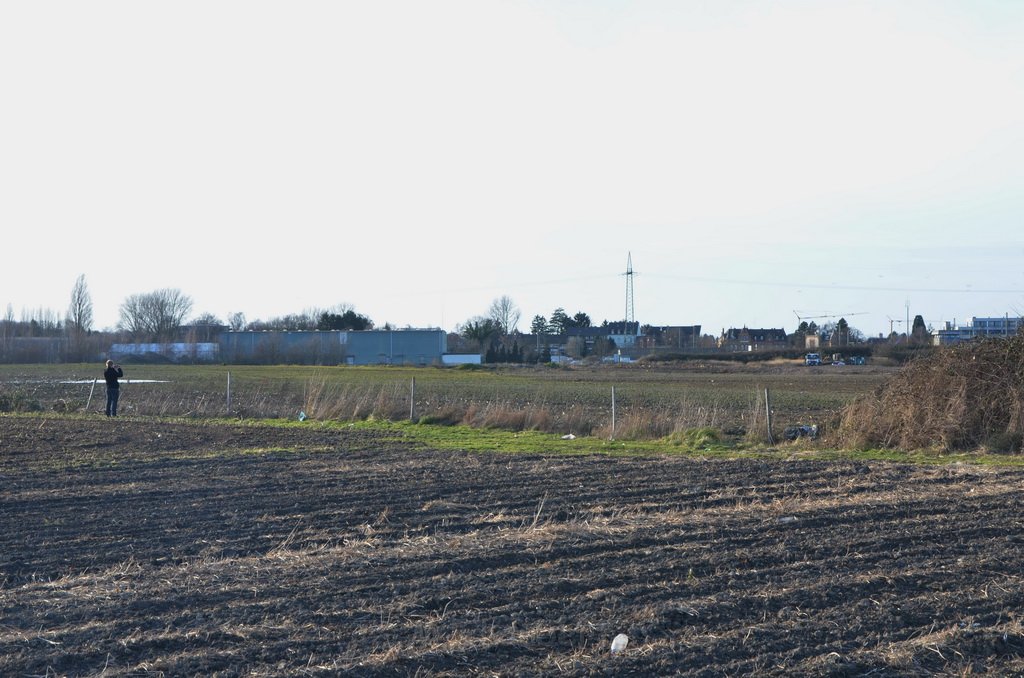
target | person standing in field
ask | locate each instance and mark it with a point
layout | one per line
(111, 375)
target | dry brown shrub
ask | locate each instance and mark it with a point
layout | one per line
(966, 397)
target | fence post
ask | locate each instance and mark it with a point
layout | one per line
(412, 400)
(613, 413)
(90, 394)
(768, 416)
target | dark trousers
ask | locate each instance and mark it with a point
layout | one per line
(112, 395)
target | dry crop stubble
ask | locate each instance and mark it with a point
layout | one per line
(355, 553)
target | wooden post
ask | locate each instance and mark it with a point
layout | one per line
(229, 393)
(613, 413)
(768, 416)
(93, 388)
(412, 400)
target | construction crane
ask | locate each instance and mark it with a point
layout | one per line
(801, 318)
(842, 316)
(892, 322)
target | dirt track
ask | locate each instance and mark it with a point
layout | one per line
(135, 547)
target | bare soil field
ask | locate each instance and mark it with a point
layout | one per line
(135, 547)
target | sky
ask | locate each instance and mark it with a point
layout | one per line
(758, 162)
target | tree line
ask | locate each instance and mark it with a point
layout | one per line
(163, 316)
(495, 335)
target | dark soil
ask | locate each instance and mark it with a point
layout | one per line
(138, 547)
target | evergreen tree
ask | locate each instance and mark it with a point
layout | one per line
(349, 320)
(918, 331)
(581, 319)
(560, 321)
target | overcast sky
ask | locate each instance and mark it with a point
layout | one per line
(416, 160)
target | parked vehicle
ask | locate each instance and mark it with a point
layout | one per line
(812, 359)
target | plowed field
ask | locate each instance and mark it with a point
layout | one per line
(141, 547)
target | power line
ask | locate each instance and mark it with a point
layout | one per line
(819, 286)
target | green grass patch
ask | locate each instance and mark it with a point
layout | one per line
(469, 439)
(702, 443)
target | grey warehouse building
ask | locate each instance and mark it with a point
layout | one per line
(366, 347)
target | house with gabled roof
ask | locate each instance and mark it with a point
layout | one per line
(752, 339)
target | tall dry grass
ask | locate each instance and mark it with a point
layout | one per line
(519, 404)
(324, 400)
(755, 420)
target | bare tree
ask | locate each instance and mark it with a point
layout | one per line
(40, 322)
(6, 332)
(133, 318)
(206, 319)
(205, 327)
(79, 319)
(155, 316)
(504, 313)
(236, 321)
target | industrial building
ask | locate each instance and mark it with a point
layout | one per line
(366, 347)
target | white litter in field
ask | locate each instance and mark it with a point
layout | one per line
(120, 381)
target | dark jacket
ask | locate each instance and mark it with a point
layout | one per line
(111, 374)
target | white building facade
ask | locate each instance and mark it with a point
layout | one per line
(978, 328)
